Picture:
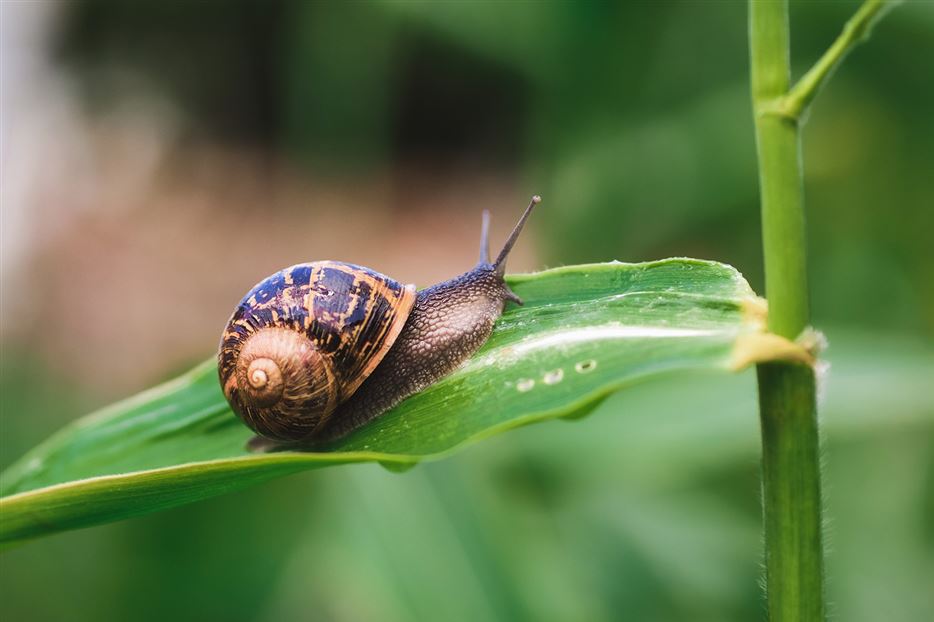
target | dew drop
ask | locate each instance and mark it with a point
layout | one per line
(525, 384)
(554, 376)
(586, 366)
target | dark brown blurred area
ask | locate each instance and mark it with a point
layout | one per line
(137, 233)
(143, 276)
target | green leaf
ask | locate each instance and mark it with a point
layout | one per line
(583, 333)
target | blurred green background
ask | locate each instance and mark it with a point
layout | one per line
(160, 158)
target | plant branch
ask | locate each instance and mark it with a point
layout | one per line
(856, 30)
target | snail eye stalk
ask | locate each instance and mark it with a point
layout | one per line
(500, 264)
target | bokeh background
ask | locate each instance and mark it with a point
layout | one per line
(158, 158)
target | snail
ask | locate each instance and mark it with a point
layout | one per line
(318, 349)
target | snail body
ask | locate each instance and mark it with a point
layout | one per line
(316, 350)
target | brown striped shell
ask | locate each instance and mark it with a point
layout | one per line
(303, 340)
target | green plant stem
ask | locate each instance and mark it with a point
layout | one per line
(790, 463)
(780, 177)
(791, 493)
(791, 487)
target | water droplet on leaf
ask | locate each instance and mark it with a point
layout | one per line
(554, 376)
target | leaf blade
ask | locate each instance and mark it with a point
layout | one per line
(583, 333)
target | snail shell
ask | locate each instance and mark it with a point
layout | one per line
(304, 339)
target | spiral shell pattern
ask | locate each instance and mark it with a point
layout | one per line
(302, 341)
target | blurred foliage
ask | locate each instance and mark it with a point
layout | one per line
(630, 118)
(633, 120)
